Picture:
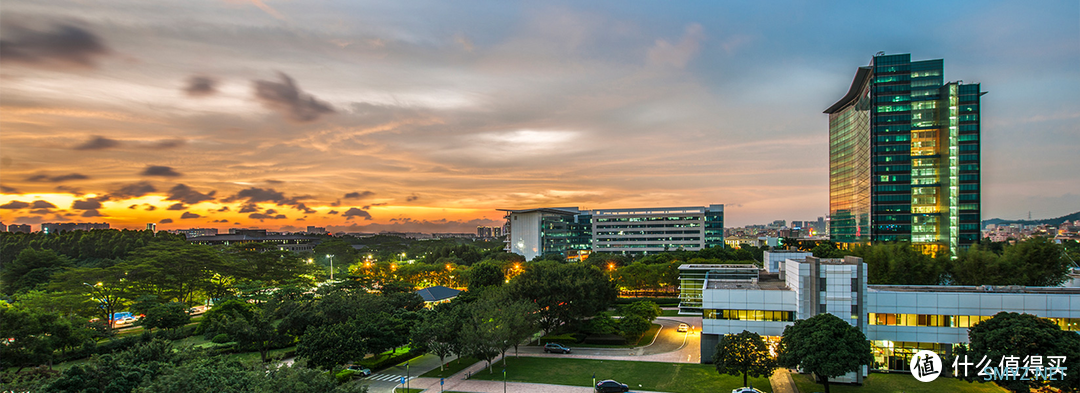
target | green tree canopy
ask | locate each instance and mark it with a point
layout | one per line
(744, 353)
(32, 269)
(1022, 335)
(824, 345)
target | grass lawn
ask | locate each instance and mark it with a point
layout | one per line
(645, 339)
(456, 365)
(878, 382)
(664, 377)
(670, 313)
(255, 357)
(404, 390)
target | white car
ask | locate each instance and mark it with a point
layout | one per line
(361, 370)
(683, 327)
(746, 390)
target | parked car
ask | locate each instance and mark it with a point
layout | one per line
(683, 327)
(361, 370)
(556, 348)
(746, 390)
(609, 385)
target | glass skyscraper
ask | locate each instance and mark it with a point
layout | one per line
(904, 157)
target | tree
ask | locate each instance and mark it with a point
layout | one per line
(167, 316)
(438, 332)
(258, 331)
(108, 286)
(633, 327)
(119, 372)
(32, 269)
(1023, 335)
(1038, 262)
(827, 249)
(328, 346)
(900, 264)
(214, 319)
(564, 292)
(824, 345)
(35, 336)
(175, 271)
(744, 353)
(485, 274)
(642, 308)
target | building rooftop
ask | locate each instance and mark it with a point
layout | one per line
(704, 266)
(765, 281)
(974, 289)
(437, 293)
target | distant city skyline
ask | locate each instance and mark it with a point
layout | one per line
(428, 116)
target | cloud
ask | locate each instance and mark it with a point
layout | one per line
(15, 205)
(261, 216)
(188, 215)
(187, 195)
(201, 86)
(132, 207)
(134, 190)
(256, 195)
(165, 221)
(91, 213)
(42, 178)
(223, 209)
(271, 211)
(412, 198)
(163, 171)
(150, 208)
(9, 190)
(167, 144)
(39, 204)
(359, 195)
(221, 221)
(87, 204)
(354, 212)
(176, 206)
(98, 143)
(249, 208)
(66, 46)
(287, 99)
(333, 212)
(69, 190)
(677, 55)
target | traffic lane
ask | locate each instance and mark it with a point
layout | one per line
(668, 339)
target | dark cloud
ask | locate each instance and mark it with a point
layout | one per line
(87, 204)
(167, 144)
(98, 143)
(15, 205)
(165, 221)
(65, 46)
(378, 204)
(91, 213)
(249, 208)
(176, 206)
(302, 207)
(287, 99)
(41, 211)
(221, 221)
(261, 216)
(188, 215)
(163, 171)
(187, 195)
(333, 212)
(256, 195)
(273, 181)
(134, 190)
(354, 212)
(201, 86)
(151, 208)
(271, 211)
(412, 197)
(358, 195)
(223, 209)
(39, 204)
(9, 190)
(69, 190)
(132, 207)
(43, 178)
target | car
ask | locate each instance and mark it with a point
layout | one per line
(683, 327)
(609, 385)
(361, 370)
(556, 348)
(745, 390)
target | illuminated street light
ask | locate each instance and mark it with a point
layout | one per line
(331, 256)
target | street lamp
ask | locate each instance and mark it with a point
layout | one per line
(402, 259)
(331, 256)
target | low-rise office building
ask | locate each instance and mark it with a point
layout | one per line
(569, 230)
(899, 320)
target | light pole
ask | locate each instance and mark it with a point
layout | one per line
(407, 382)
(331, 256)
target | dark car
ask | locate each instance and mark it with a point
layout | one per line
(556, 348)
(611, 386)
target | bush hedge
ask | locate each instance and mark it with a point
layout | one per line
(660, 301)
(390, 361)
(606, 339)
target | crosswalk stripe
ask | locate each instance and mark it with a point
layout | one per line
(389, 377)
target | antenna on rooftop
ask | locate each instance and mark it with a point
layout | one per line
(880, 53)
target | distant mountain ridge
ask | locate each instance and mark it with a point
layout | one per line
(1048, 221)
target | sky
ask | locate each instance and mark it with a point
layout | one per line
(430, 115)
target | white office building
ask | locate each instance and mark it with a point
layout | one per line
(898, 320)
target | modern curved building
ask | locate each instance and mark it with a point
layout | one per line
(904, 161)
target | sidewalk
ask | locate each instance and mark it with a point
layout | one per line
(782, 383)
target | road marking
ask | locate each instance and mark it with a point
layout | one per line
(389, 377)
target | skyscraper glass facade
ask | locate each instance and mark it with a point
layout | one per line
(904, 157)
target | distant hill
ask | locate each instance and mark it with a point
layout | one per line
(1048, 221)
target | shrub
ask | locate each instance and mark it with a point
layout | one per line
(345, 375)
(606, 339)
(561, 339)
(220, 339)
